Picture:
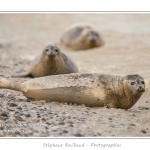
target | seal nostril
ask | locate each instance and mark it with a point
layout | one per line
(52, 54)
(56, 50)
(92, 40)
(141, 89)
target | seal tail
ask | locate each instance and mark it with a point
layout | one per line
(6, 83)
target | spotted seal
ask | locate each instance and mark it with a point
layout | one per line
(81, 37)
(91, 89)
(51, 62)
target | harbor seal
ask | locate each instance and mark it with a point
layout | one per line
(91, 89)
(81, 37)
(51, 62)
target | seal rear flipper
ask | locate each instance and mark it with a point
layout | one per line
(6, 83)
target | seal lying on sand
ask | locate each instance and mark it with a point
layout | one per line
(81, 37)
(91, 89)
(51, 62)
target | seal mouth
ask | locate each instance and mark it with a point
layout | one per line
(51, 55)
(92, 40)
(141, 90)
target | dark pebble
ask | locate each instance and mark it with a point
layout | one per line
(1, 95)
(3, 117)
(11, 109)
(143, 131)
(88, 108)
(19, 108)
(21, 97)
(78, 135)
(27, 115)
(110, 118)
(132, 124)
(17, 112)
(61, 123)
(12, 105)
(25, 109)
(94, 113)
(28, 100)
(65, 131)
(132, 115)
(71, 125)
(70, 122)
(143, 108)
(4, 114)
(19, 118)
(48, 123)
(43, 119)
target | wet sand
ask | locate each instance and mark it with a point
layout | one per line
(126, 51)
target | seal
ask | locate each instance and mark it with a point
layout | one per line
(81, 37)
(51, 62)
(91, 89)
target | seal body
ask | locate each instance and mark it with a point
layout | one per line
(91, 89)
(51, 62)
(81, 37)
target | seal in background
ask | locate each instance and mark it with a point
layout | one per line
(81, 37)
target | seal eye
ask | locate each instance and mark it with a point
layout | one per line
(56, 50)
(143, 82)
(46, 50)
(132, 83)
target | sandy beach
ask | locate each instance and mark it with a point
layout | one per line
(126, 51)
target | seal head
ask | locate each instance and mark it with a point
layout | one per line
(81, 37)
(91, 38)
(52, 61)
(51, 51)
(133, 88)
(135, 84)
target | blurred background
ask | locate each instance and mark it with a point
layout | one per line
(126, 36)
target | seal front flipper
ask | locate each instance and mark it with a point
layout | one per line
(24, 74)
(110, 106)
